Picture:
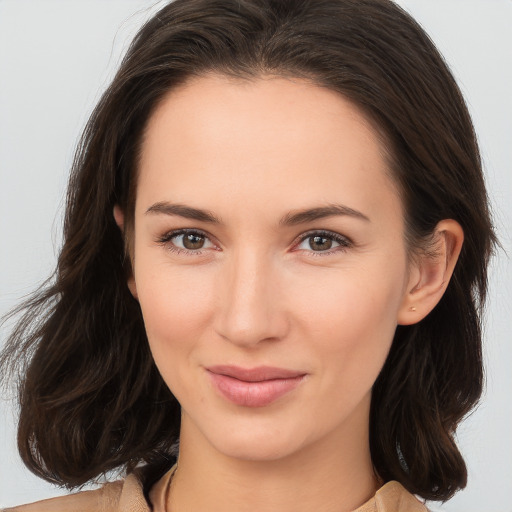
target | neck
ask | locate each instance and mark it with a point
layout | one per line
(332, 475)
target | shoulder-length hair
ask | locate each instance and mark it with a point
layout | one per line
(91, 397)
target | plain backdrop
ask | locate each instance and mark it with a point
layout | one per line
(56, 58)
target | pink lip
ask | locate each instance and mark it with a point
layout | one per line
(254, 387)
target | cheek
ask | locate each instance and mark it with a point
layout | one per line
(351, 329)
(352, 300)
(352, 319)
(176, 306)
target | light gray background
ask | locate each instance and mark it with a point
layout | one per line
(57, 56)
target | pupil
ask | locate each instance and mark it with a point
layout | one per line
(192, 241)
(320, 243)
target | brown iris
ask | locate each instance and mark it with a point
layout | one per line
(320, 243)
(192, 241)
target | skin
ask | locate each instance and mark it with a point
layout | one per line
(261, 293)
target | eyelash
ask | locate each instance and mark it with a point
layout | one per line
(343, 241)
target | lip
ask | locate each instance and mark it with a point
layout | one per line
(254, 387)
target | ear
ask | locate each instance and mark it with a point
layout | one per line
(430, 273)
(119, 218)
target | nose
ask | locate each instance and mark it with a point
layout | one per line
(251, 306)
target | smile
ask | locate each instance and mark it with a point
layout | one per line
(253, 387)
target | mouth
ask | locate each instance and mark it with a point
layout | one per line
(254, 387)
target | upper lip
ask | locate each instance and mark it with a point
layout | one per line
(256, 374)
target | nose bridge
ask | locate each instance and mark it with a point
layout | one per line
(249, 309)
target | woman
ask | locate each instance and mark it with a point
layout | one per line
(297, 192)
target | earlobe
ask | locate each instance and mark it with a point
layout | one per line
(431, 272)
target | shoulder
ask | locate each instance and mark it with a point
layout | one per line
(393, 497)
(401, 499)
(121, 496)
(127, 496)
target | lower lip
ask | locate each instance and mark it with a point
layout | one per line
(253, 394)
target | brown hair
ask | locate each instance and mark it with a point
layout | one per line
(91, 397)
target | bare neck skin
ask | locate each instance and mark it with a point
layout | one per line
(333, 475)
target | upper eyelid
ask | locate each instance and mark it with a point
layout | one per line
(322, 232)
(177, 232)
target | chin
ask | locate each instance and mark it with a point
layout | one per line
(263, 442)
(265, 449)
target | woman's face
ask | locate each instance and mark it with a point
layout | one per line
(269, 262)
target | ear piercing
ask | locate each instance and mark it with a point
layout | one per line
(412, 308)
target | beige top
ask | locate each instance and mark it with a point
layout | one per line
(127, 496)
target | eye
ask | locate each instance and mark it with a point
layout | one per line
(189, 241)
(323, 243)
(192, 242)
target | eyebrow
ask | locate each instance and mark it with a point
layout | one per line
(311, 214)
(290, 219)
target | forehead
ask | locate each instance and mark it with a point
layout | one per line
(215, 136)
(213, 107)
